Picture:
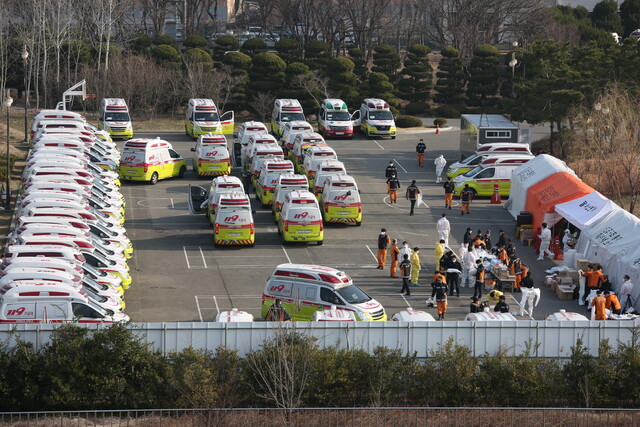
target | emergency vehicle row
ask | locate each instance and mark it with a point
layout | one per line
(308, 187)
(66, 257)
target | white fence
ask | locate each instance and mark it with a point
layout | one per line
(550, 339)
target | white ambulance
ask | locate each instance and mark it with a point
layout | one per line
(48, 302)
(291, 129)
(114, 118)
(300, 145)
(324, 170)
(252, 142)
(234, 315)
(300, 219)
(411, 315)
(268, 179)
(313, 156)
(203, 200)
(285, 185)
(233, 224)
(375, 119)
(260, 154)
(150, 160)
(202, 117)
(334, 119)
(285, 110)
(211, 156)
(306, 289)
(340, 201)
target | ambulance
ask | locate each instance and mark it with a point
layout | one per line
(484, 151)
(202, 200)
(374, 119)
(202, 117)
(285, 110)
(305, 289)
(55, 276)
(291, 129)
(285, 185)
(334, 315)
(323, 171)
(566, 316)
(54, 115)
(313, 156)
(242, 138)
(261, 154)
(253, 142)
(114, 118)
(300, 145)
(47, 302)
(340, 201)
(268, 179)
(211, 156)
(334, 119)
(150, 160)
(300, 219)
(492, 170)
(233, 224)
(490, 316)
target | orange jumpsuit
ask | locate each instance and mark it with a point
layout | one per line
(395, 253)
(382, 253)
(599, 303)
(612, 302)
(520, 276)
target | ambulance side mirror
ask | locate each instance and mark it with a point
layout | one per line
(349, 193)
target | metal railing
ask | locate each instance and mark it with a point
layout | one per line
(312, 417)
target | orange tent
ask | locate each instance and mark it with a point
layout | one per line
(558, 188)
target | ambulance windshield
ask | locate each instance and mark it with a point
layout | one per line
(380, 115)
(353, 295)
(338, 116)
(116, 117)
(473, 172)
(206, 117)
(289, 117)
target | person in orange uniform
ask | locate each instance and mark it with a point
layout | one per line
(392, 186)
(593, 278)
(383, 242)
(520, 270)
(465, 199)
(502, 254)
(600, 302)
(440, 275)
(612, 302)
(449, 186)
(439, 291)
(395, 257)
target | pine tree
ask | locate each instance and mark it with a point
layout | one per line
(417, 83)
(484, 76)
(450, 82)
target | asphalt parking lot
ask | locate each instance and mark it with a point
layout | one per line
(179, 275)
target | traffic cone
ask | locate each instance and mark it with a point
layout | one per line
(495, 199)
(437, 129)
(555, 248)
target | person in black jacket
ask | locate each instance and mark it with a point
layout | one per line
(475, 305)
(501, 306)
(448, 192)
(468, 236)
(412, 195)
(439, 291)
(502, 239)
(453, 278)
(391, 170)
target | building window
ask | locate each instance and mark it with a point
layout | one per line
(498, 134)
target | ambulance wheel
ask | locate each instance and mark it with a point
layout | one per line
(251, 245)
(183, 169)
(186, 131)
(393, 137)
(358, 223)
(215, 244)
(154, 178)
(320, 242)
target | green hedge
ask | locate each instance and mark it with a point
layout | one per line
(408, 122)
(112, 369)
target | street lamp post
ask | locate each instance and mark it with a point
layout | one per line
(605, 130)
(25, 57)
(7, 103)
(513, 64)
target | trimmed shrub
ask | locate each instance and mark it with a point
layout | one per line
(237, 60)
(165, 53)
(254, 46)
(196, 40)
(198, 55)
(440, 122)
(139, 42)
(413, 108)
(448, 112)
(408, 122)
(164, 39)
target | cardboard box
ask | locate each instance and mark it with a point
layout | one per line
(583, 264)
(564, 292)
(528, 242)
(527, 233)
(565, 280)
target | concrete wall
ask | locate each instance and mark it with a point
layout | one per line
(554, 338)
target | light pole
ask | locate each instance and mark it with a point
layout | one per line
(513, 64)
(8, 100)
(605, 130)
(25, 57)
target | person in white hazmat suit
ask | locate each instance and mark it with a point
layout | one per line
(444, 228)
(440, 163)
(468, 263)
(545, 241)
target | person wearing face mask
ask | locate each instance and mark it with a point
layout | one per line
(404, 250)
(383, 243)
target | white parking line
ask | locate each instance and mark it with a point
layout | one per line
(172, 205)
(401, 167)
(381, 147)
(371, 252)
(405, 301)
(202, 255)
(286, 254)
(518, 304)
(184, 248)
(198, 305)
(215, 300)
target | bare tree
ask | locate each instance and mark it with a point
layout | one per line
(367, 20)
(315, 85)
(219, 84)
(156, 11)
(262, 103)
(466, 24)
(612, 131)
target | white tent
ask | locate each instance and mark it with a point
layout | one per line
(586, 210)
(529, 174)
